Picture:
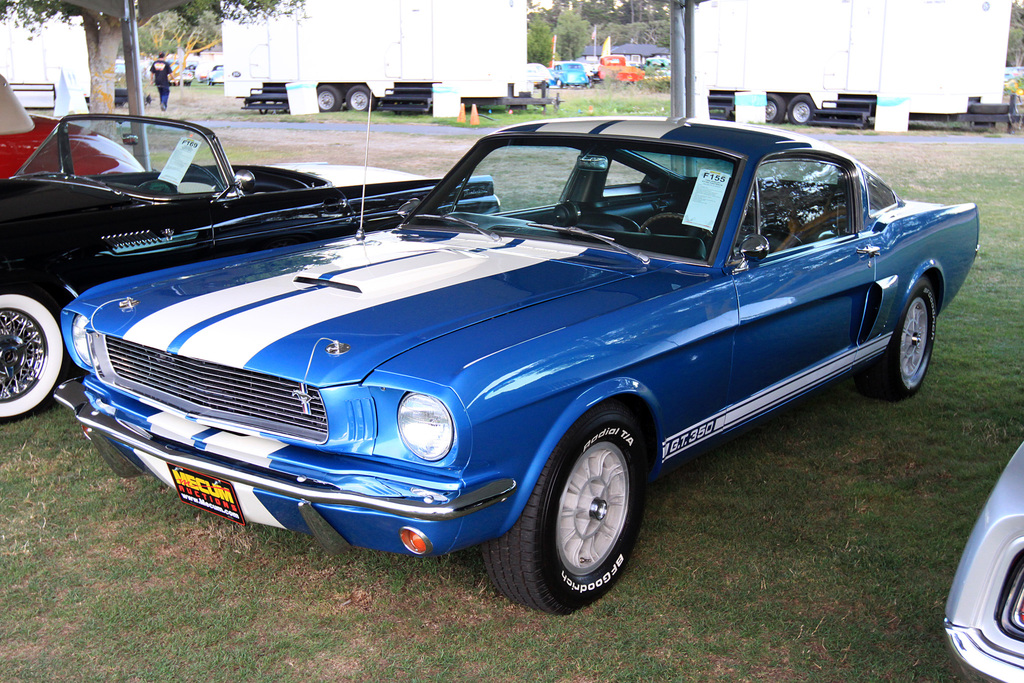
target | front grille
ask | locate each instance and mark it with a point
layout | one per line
(243, 397)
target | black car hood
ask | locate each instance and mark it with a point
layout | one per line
(24, 198)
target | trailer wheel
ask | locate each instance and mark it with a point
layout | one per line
(359, 98)
(775, 108)
(801, 109)
(328, 97)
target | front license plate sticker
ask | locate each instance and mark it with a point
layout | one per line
(207, 493)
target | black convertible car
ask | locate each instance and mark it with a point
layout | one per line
(110, 196)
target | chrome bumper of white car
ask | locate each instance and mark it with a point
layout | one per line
(101, 428)
(978, 660)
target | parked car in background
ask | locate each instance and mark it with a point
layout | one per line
(216, 76)
(108, 196)
(570, 75)
(985, 609)
(538, 74)
(20, 132)
(513, 375)
(615, 68)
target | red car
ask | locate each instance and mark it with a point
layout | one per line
(20, 134)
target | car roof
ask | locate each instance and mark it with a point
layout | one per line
(754, 141)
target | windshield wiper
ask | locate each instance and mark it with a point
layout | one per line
(580, 232)
(461, 221)
(68, 178)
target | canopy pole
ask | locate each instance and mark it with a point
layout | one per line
(130, 38)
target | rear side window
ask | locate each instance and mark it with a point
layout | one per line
(880, 195)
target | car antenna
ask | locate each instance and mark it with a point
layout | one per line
(361, 233)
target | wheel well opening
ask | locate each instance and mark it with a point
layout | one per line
(642, 412)
(935, 277)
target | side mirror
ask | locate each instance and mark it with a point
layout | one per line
(754, 247)
(408, 207)
(245, 181)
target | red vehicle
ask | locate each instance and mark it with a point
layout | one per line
(614, 68)
(20, 134)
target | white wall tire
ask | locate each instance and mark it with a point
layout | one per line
(32, 358)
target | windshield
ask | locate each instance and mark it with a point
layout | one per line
(653, 198)
(130, 155)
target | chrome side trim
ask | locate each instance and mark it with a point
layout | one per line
(72, 394)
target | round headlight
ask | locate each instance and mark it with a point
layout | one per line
(425, 426)
(80, 338)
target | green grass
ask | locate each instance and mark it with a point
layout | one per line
(818, 547)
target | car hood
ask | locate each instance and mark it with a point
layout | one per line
(25, 198)
(330, 315)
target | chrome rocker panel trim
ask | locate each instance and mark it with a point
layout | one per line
(72, 394)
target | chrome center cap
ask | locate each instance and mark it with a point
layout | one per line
(12, 354)
(598, 509)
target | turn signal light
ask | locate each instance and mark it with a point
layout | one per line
(415, 541)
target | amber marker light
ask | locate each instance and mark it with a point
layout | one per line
(415, 541)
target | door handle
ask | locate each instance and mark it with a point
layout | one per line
(870, 251)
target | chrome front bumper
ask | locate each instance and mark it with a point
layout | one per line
(978, 660)
(73, 395)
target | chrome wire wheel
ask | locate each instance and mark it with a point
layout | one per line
(22, 354)
(593, 508)
(913, 342)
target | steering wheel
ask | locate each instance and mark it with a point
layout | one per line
(158, 186)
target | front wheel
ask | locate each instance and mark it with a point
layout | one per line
(901, 370)
(32, 358)
(328, 98)
(775, 108)
(575, 535)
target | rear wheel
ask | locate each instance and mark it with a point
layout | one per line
(32, 358)
(901, 370)
(572, 541)
(359, 98)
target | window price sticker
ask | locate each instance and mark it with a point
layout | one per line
(706, 200)
(181, 158)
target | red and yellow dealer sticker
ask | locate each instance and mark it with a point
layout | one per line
(208, 493)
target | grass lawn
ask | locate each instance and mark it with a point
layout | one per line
(818, 547)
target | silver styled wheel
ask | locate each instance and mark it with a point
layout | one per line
(913, 342)
(31, 353)
(593, 508)
(573, 539)
(900, 372)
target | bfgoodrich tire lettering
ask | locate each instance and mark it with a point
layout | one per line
(32, 358)
(901, 370)
(575, 535)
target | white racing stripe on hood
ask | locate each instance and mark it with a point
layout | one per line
(237, 338)
(159, 329)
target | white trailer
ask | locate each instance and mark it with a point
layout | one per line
(840, 61)
(32, 61)
(432, 50)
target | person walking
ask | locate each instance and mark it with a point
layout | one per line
(160, 72)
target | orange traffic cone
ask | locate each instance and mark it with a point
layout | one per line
(474, 117)
(462, 113)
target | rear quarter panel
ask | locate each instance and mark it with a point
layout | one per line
(927, 238)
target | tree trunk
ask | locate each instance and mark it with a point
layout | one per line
(102, 38)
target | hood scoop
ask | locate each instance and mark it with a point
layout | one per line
(404, 274)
